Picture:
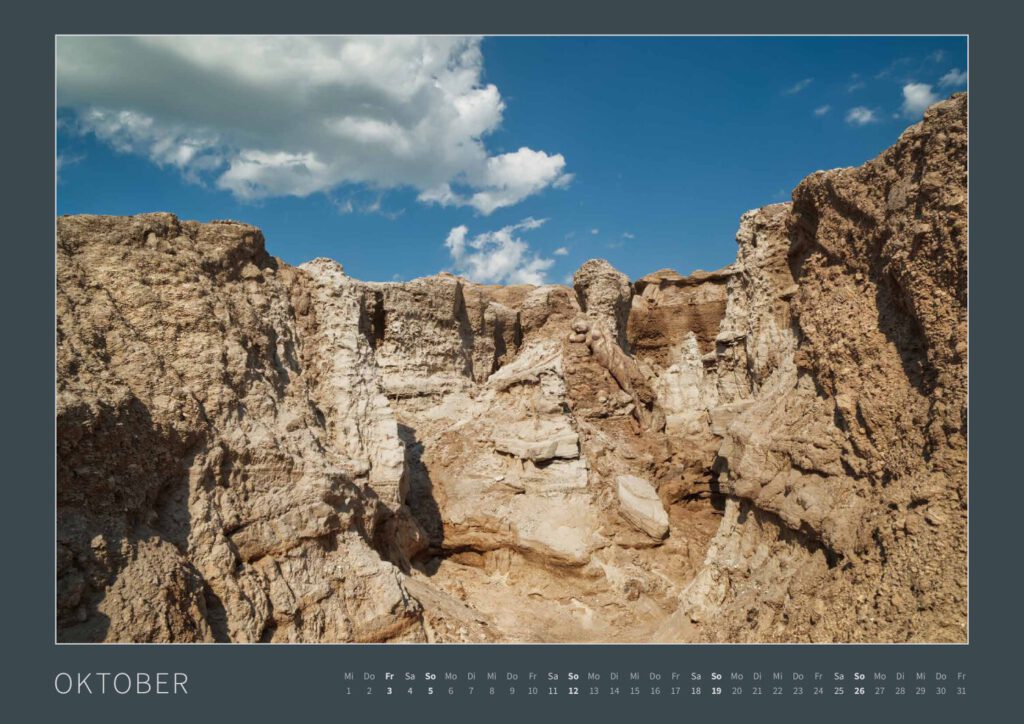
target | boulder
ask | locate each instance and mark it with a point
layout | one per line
(640, 505)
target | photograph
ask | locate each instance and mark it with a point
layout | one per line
(510, 339)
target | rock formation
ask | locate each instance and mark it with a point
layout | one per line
(775, 451)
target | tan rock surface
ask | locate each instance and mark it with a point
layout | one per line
(212, 484)
(775, 451)
(641, 506)
(853, 307)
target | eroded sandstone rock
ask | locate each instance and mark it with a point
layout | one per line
(851, 303)
(775, 451)
(219, 439)
(641, 505)
(604, 293)
(634, 380)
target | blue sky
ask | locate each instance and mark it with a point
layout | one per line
(504, 159)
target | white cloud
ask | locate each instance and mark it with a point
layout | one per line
(64, 160)
(191, 152)
(292, 116)
(362, 204)
(507, 180)
(500, 256)
(628, 235)
(343, 207)
(822, 110)
(595, 232)
(955, 78)
(916, 98)
(860, 116)
(798, 86)
(560, 251)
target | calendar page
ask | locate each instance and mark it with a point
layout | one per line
(603, 369)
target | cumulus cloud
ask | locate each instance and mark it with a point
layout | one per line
(798, 86)
(495, 257)
(822, 110)
(860, 116)
(916, 98)
(292, 116)
(560, 251)
(955, 78)
(628, 235)
(507, 179)
(190, 151)
(595, 232)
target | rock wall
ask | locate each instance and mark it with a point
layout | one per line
(775, 451)
(846, 468)
(224, 455)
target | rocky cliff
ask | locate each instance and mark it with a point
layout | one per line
(775, 451)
